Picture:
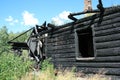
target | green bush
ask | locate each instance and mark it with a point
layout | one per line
(13, 67)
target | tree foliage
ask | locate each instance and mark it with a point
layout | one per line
(5, 37)
(4, 47)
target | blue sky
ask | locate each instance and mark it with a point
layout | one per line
(20, 15)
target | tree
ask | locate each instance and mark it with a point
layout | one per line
(4, 47)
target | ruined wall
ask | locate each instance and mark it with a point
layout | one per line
(61, 43)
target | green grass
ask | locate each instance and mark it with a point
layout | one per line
(13, 67)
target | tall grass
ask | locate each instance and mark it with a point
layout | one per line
(13, 67)
(48, 73)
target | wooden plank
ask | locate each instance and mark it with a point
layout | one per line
(109, 52)
(108, 71)
(110, 44)
(107, 32)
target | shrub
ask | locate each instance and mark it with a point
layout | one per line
(12, 67)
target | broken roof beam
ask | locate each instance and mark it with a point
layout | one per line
(71, 16)
(20, 35)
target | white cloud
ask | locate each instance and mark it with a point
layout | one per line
(57, 21)
(29, 19)
(11, 20)
(64, 15)
(61, 18)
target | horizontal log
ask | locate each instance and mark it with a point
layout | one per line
(97, 59)
(60, 47)
(107, 32)
(91, 64)
(99, 65)
(64, 42)
(111, 16)
(108, 26)
(60, 38)
(106, 20)
(63, 55)
(107, 12)
(53, 35)
(109, 21)
(63, 59)
(110, 44)
(107, 15)
(109, 52)
(72, 50)
(108, 59)
(94, 21)
(108, 38)
(107, 71)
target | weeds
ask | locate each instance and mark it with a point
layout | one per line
(47, 72)
(13, 67)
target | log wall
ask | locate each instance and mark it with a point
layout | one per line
(61, 44)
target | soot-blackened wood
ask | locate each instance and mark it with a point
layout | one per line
(108, 26)
(86, 23)
(108, 59)
(106, 42)
(107, 32)
(97, 59)
(63, 55)
(112, 37)
(62, 51)
(113, 20)
(60, 38)
(108, 11)
(91, 64)
(60, 34)
(19, 45)
(110, 44)
(60, 47)
(109, 52)
(69, 41)
(99, 65)
(108, 71)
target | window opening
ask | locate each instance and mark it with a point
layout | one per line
(84, 43)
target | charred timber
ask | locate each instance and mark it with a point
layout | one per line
(108, 11)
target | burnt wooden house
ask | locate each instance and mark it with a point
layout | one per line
(90, 44)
